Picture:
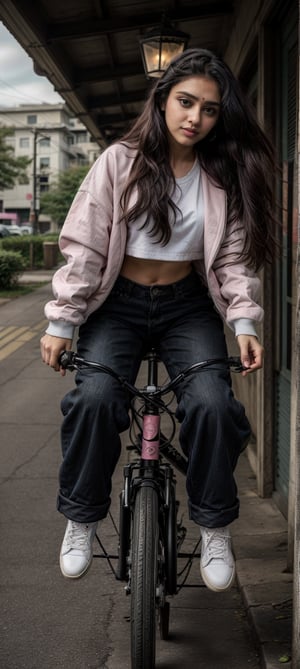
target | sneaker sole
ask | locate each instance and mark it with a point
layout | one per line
(214, 588)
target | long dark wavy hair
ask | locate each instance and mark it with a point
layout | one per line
(236, 155)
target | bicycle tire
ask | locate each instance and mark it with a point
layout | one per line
(144, 569)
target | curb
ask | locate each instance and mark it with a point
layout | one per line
(38, 276)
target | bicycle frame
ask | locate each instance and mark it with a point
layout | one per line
(154, 444)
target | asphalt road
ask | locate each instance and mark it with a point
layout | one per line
(48, 622)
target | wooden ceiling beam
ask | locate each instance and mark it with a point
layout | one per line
(95, 102)
(91, 28)
(93, 74)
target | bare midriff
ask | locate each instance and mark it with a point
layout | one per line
(154, 272)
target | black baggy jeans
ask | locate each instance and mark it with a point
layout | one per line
(181, 321)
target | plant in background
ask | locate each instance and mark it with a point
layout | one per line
(11, 169)
(57, 201)
(30, 247)
(11, 266)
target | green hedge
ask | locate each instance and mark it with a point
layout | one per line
(30, 247)
(11, 266)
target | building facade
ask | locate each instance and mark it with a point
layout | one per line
(54, 141)
(263, 52)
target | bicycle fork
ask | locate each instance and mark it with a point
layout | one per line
(150, 472)
(160, 477)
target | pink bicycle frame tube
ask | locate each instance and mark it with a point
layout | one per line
(150, 441)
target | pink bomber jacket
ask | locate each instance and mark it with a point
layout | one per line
(93, 242)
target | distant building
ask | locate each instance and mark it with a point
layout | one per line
(55, 141)
(81, 140)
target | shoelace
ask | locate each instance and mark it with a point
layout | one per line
(77, 536)
(217, 544)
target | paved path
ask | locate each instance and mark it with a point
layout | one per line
(48, 622)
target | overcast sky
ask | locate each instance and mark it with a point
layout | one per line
(18, 82)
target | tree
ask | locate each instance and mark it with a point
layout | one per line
(57, 201)
(12, 169)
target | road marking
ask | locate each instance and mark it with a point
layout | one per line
(12, 338)
(41, 325)
(5, 331)
(10, 335)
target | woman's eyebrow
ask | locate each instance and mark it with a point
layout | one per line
(194, 97)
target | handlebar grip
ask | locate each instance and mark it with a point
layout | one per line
(65, 360)
(236, 364)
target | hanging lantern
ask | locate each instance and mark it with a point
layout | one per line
(159, 45)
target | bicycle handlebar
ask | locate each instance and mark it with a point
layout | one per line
(71, 361)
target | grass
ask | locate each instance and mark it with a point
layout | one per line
(19, 291)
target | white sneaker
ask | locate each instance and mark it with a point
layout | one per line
(77, 549)
(217, 564)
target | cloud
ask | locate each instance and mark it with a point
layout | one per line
(18, 82)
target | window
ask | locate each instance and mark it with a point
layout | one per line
(81, 137)
(24, 142)
(44, 163)
(45, 141)
(32, 119)
(44, 184)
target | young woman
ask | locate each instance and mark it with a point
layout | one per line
(162, 243)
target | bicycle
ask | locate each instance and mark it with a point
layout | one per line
(150, 535)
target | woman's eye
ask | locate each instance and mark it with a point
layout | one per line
(185, 102)
(210, 111)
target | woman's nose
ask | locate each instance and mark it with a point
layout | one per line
(195, 117)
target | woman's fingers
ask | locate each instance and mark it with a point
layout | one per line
(51, 349)
(251, 353)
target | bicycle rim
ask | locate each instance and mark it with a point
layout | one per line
(144, 558)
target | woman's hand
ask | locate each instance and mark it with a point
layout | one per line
(51, 348)
(251, 353)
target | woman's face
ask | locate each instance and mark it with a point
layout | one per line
(191, 110)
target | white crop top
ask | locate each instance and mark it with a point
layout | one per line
(186, 242)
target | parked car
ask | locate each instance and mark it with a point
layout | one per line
(12, 223)
(14, 229)
(4, 232)
(26, 228)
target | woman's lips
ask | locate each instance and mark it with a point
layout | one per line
(189, 132)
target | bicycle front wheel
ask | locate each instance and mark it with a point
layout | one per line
(144, 569)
